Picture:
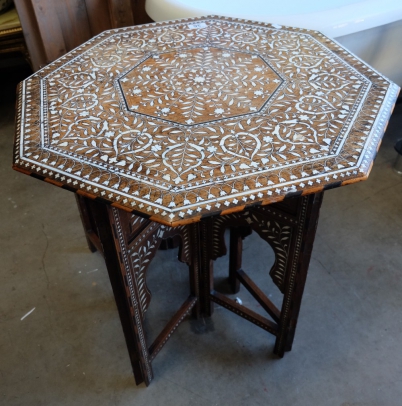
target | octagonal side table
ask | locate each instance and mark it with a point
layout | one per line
(170, 133)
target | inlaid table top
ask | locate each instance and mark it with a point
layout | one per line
(189, 118)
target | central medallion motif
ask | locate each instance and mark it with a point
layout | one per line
(182, 120)
(199, 85)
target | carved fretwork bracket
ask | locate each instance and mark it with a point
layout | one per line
(142, 239)
(289, 228)
(274, 226)
(181, 237)
(140, 253)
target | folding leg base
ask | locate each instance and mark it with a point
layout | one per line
(289, 227)
(129, 243)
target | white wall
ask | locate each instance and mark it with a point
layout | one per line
(380, 47)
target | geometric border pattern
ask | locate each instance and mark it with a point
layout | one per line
(348, 159)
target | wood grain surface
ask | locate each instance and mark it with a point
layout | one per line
(180, 120)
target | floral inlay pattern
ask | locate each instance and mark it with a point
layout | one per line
(198, 85)
(182, 119)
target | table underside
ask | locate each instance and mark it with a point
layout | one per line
(129, 243)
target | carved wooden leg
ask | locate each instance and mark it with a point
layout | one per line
(237, 234)
(129, 244)
(127, 302)
(206, 281)
(87, 222)
(297, 273)
(235, 254)
(187, 238)
(194, 265)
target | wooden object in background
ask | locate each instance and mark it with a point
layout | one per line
(120, 13)
(140, 15)
(11, 36)
(52, 28)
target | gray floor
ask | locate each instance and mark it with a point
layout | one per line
(70, 350)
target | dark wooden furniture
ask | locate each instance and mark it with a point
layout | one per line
(11, 36)
(178, 131)
(52, 28)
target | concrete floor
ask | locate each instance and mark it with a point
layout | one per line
(70, 350)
